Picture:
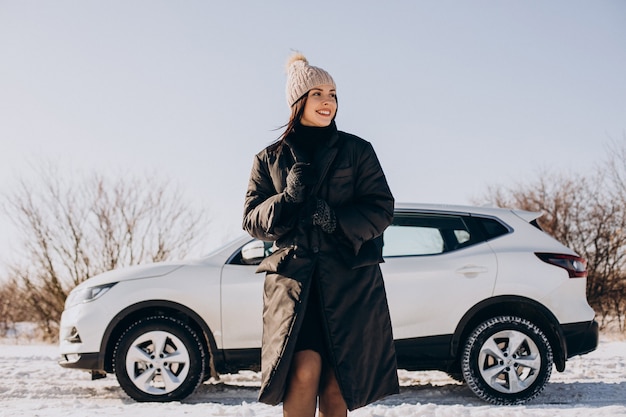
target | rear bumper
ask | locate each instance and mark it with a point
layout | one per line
(581, 338)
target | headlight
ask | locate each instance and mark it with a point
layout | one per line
(87, 294)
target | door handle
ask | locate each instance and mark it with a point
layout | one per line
(472, 271)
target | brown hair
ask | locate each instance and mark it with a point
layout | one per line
(297, 110)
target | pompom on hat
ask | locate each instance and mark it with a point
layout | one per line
(301, 77)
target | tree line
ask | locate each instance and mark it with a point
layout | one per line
(72, 228)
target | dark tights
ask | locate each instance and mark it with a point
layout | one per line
(308, 379)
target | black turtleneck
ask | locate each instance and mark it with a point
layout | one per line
(308, 140)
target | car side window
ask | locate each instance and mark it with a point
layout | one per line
(412, 240)
(493, 228)
(426, 234)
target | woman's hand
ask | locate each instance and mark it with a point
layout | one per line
(324, 216)
(300, 175)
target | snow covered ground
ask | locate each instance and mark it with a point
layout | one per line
(32, 384)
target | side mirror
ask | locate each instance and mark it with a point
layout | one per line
(253, 253)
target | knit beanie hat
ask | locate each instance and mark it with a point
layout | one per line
(301, 77)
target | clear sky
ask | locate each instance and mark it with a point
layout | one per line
(454, 95)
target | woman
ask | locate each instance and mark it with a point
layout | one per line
(321, 196)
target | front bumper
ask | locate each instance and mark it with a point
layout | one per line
(86, 361)
(581, 338)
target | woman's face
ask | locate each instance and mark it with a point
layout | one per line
(320, 107)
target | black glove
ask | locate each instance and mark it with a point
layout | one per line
(300, 175)
(324, 216)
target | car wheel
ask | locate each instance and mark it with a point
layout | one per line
(159, 359)
(507, 360)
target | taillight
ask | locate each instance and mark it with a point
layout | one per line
(575, 266)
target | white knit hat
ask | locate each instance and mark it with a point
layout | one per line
(301, 77)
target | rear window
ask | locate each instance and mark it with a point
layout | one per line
(492, 227)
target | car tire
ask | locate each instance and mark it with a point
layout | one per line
(159, 359)
(507, 360)
(457, 376)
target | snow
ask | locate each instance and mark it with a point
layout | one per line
(33, 384)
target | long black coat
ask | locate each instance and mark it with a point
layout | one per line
(346, 263)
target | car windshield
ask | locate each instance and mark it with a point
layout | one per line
(241, 239)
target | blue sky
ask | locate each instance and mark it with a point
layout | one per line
(454, 95)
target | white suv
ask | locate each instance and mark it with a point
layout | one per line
(480, 293)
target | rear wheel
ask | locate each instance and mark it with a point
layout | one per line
(507, 360)
(159, 359)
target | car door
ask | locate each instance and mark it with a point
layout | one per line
(242, 301)
(436, 268)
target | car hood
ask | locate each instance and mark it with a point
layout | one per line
(132, 272)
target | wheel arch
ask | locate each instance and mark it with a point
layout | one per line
(156, 307)
(512, 305)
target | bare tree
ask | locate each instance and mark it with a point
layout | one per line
(75, 228)
(10, 313)
(615, 168)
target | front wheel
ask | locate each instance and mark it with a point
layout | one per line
(507, 360)
(159, 359)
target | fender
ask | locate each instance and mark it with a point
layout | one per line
(512, 304)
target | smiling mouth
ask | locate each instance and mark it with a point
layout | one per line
(324, 112)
